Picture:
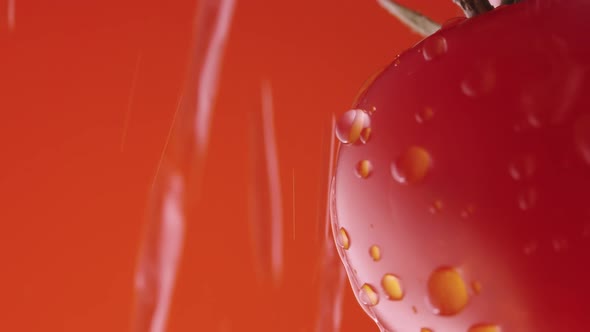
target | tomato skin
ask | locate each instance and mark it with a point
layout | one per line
(500, 104)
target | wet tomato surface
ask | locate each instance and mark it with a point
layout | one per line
(460, 197)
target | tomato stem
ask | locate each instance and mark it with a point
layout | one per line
(424, 25)
(474, 7)
(416, 21)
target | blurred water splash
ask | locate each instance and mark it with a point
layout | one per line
(265, 198)
(179, 171)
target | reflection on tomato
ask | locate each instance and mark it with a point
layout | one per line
(473, 214)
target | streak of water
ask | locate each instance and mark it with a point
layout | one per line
(179, 171)
(272, 164)
(209, 73)
(11, 14)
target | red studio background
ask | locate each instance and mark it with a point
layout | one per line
(96, 98)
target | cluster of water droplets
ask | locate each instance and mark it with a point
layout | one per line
(447, 291)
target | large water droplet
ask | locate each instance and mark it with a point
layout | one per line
(364, 169)
(434, 47)
(447, 291)
(484, 328)
(351, 124)
(342, 239)
(479, 82)
(412, 166)
(582, 137)
(368, 295)
(392, 287)
(375, 252)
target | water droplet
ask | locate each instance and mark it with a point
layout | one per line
(365, 135)
(582, 137)
(476, 286)
(392, 287)
(522, 168)
(530, 248)
(368, 295)
(425, 329)
(343, 239)
(412, 166)
(433, 47)
(479, 82)
(396, 61)
(527, 199)
(375, 252)
(364, 169)
(425, 115)
(351, 124)
(484, 328)
(453, 22)
(447, 291)
(560, 244)
(436, 207)
(468, 211)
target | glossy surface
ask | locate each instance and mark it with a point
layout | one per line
(480, 180)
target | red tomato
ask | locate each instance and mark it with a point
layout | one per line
(461, 195)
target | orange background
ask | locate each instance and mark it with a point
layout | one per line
(81, 143)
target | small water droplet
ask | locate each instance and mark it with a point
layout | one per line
(396, 61)
(479, 82)
(375, 252)
(476, 287)
(425, 115)
(522, 168)
(560, 244)
(412, 166)
(582, 137)
(351, 124)
(343, 239)
(368, 295)
(453, 22)
(364, 169)
(392, 287)
(530, 248)
(468, 211)
(436, 207)
(484, 328)
(434, 47)
(527, 199)
(447, 291)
